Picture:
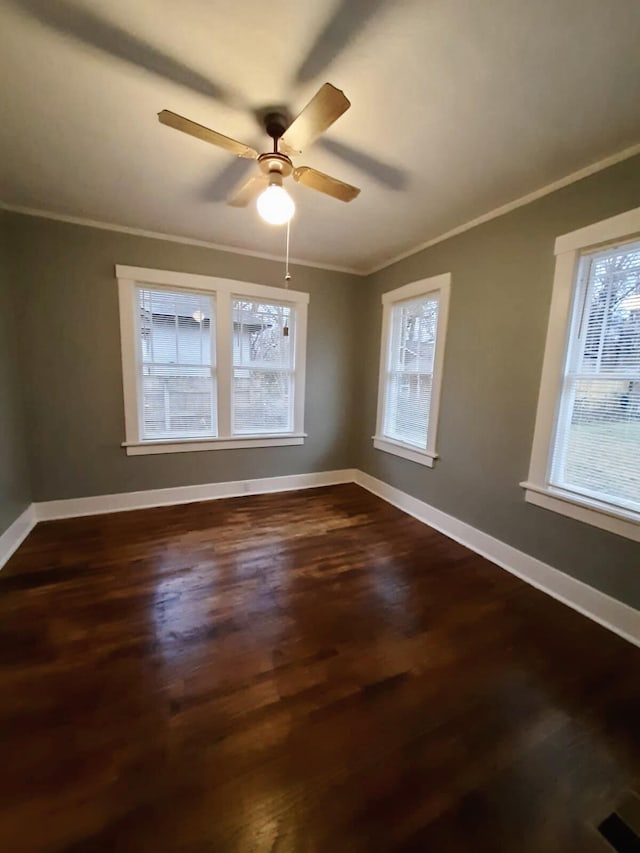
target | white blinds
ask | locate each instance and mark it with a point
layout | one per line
(176, 339)
(596, 450)
(262, 381)
(409, 376)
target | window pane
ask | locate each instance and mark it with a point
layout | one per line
(176, 338)
(413, 335)
(612, 335)
(407, 400)
(407, 408)
(262, 386)
(596, 450)
(260, 334)
(261, 401)
(602, 441)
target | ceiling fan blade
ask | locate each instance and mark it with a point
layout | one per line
(248, 191)
(327, 105)
(207, 135)
(325, 183)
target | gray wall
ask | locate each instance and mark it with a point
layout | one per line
(15, 489)
(70, 352)
(502, 275)
(67, 317)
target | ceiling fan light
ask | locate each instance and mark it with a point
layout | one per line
(275, 205)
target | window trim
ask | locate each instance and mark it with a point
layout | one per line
(128, 279)
(569, 249)
(424, 287)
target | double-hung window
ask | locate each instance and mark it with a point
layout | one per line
(586, 455)
(210, 363)
(414, 320)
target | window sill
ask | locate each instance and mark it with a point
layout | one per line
(188, 445)
(622, 522)
(413, 454)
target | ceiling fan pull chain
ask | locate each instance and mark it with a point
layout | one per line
(287, 279)
(287, 274)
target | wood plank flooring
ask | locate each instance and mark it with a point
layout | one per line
(308, 671)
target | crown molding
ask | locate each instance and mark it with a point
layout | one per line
(171, 238)
(585, 172)
(625, 154)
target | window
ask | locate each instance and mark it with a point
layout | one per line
(586, 455)
(210, 363)
(414, 320)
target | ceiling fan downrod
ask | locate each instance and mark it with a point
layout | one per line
(275, 125)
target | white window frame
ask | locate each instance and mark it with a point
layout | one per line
(440, 285)
(223, 290)
(569, 249)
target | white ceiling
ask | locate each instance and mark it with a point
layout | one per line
(459, 105)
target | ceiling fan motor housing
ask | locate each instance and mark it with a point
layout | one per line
(275, 124)
(276, 166)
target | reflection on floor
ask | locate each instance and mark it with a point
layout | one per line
(307, 671)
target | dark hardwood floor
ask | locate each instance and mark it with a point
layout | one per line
(309, 671)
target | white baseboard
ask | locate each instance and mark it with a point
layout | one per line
(100, 504)
(15, 535)
(607, 611)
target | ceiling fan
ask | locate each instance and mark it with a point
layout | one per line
(275, 205)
